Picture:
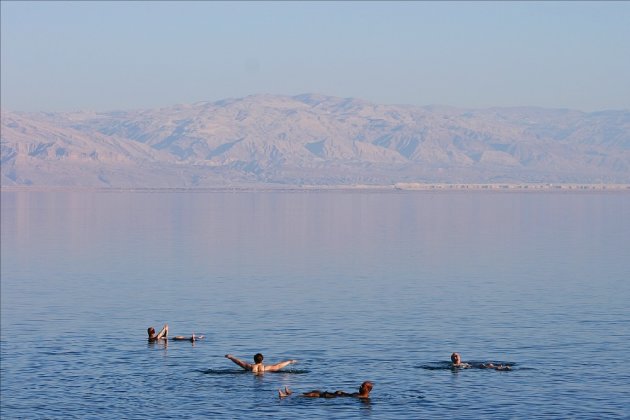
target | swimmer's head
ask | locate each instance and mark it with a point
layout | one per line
(456, 358)
(151, 331)
(366, 387)
(258, 358)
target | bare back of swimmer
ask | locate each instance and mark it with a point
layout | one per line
(258, 367)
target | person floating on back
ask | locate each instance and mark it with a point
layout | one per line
(456, 360)
(495, 367)
(364, 392)
(162, 335)
(258, 367)
(192, 338)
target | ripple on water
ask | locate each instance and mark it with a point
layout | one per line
(355, 287)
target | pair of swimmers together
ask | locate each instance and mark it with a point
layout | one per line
(456, 360)
(259, 368)
(364, 390)
(163, 335)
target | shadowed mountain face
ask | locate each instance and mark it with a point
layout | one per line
(312, 139)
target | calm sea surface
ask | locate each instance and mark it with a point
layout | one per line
(355, 285)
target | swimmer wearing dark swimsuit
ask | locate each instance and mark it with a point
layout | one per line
(364, 392)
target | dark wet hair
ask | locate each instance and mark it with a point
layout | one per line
(454, 356)
(258, 358)
(367, 385)
(151, 331)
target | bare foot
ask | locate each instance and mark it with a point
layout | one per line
(285, 393)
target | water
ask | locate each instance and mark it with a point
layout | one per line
(356, 286)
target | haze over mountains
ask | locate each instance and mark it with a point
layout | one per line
(312, 140)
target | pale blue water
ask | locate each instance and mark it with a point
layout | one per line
(356, 286)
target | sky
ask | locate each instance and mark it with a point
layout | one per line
(102, 56)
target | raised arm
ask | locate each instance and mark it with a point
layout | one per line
(163, 332)
(278, 366)
(239, 362)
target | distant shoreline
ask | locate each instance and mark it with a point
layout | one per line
(407, 187)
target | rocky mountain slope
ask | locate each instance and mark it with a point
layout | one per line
(312, 140)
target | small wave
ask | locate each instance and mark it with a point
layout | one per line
(436, 366)
(62, 353)
(242, 371)
(223, 371)
(293, 371)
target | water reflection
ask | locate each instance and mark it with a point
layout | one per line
(159, 344)
(293, 233)
(346, 283)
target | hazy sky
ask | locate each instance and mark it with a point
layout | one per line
(121, 55)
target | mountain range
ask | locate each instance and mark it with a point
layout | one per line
(315, 140)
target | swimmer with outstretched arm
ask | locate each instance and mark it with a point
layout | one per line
(364, 392)
(258, 367)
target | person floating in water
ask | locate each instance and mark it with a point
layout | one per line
(162, 335)
(495, 367)
(258, 367)
(192, 338)
(364, 392)
(456, 360)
